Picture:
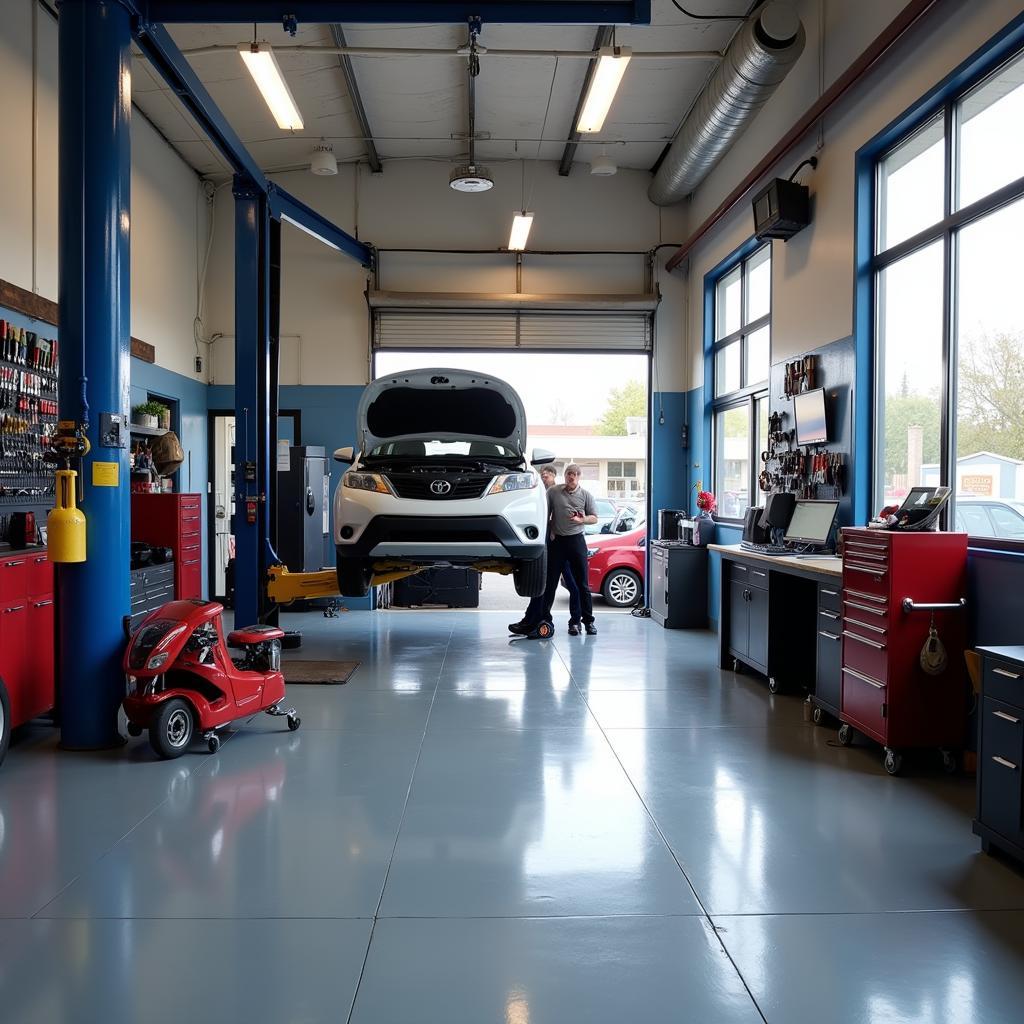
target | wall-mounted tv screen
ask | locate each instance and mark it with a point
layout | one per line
(809, 412)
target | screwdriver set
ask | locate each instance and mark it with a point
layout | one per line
(28, 417)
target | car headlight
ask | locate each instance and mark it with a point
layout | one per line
(157, 661)
(592, 551)
(367, 482)
(513, 482)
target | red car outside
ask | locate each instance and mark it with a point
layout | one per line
(616, 564)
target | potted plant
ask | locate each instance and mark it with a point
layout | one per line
(165, 417)
(147, 414)
(703, 525)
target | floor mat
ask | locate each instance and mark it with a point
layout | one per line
(329, 672)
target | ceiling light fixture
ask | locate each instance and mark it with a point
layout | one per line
(470, 178)
(611, 66)
(261, 63)
(521, 224)
(323, 161)
(603, 166)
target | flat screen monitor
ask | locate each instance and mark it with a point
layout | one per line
(811, 522)
(809, 411)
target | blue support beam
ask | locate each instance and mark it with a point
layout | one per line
(284, 206)
(453, 12)
(94, 176)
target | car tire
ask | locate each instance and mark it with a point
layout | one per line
(531, 577)
(354, 575)
(5, 721)
(622, 588)
(171, 729)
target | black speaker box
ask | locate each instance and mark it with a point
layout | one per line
(781, 209)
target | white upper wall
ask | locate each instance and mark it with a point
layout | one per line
(813, 273)
(323, 311)
(167, 210)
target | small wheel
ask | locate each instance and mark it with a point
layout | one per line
(817, 715)
(134, 730)
(773, 684)
(845, 736)
(213, 743)
(950, 763)
(294, 722)
(171, 731)
(893, 762)
(735, 664)
(545, 630)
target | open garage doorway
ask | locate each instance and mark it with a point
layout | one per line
(590, 408)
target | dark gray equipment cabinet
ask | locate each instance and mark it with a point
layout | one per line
(303, 504)
(679, 585)
(1001, 751)
(829, 669)
(748, 615)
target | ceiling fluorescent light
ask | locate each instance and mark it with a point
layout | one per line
(611, 66)
(521, 224)
(266, 73)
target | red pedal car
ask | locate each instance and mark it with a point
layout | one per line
(181, 678)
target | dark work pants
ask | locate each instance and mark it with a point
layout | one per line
(569, 554)
(535, 609)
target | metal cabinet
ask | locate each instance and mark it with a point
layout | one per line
(1000, 819)
(828, 671)
(679, 585)
(748, 615)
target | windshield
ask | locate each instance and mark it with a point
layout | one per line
(147, 638)
(442, 450)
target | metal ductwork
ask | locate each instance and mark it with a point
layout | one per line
(757, 60)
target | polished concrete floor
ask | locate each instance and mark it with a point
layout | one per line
(595, 829)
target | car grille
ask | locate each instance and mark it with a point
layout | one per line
(417, 485)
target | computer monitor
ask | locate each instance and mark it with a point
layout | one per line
(809, 412)
(811, 522)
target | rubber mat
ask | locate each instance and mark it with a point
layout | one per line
(330, 673)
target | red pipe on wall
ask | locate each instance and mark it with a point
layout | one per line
(908, 17)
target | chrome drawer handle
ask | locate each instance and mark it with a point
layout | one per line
(864, 678)
(11, 565)
(1006, 718)
(867, 625)
(830, 615)
(828, 636)
(864, 640)
(1004, 672)
(742, 568)
(831, 593)
(1004, 762)
(756, 573)
(864, 608)
(874, 570)
(866, 597)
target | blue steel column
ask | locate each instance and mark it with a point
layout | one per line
(252, 399)
(93, 263)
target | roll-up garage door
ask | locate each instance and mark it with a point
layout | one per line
(514, 325)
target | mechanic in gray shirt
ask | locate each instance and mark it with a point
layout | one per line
(570, 508)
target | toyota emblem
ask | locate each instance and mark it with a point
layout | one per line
(440, 487)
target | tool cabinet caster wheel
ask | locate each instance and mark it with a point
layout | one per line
(294, 722)
(773, 684)
(817, 715)
(134, 730)
(845, 736)
(735, 664)
(893, 762)
(213, 743)
(950, 763)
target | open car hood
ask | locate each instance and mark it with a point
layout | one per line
(443, 405)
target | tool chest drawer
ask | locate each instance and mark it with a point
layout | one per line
(173, 521)
(1004, 680)
(830, 597)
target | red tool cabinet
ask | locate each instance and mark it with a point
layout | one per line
(173, 521)
(26, 633)
(886, 695)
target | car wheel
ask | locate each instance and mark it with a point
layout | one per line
(354, 575)
(531, 577)
(622, 588)
(171, 730)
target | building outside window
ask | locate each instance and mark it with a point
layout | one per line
(741, 354)
(949, 308)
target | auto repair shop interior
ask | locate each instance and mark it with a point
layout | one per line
(260, 264)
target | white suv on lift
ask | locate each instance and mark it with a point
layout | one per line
(440, 477)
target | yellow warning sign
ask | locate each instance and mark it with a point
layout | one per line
(104, 474)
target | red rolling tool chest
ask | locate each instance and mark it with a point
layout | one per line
(886, 694)
(173, 521)
(26, 633)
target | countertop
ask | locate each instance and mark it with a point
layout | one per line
(822, 565)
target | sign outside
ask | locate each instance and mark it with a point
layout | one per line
(976, 484)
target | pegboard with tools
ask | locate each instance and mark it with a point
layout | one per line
(28, 419)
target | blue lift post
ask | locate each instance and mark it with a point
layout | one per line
(94, 294)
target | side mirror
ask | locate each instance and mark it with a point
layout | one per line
(642, 542)
(346, 455)
(541, 457)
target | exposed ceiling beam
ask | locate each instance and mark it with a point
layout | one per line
(338, 35)
(603, 38)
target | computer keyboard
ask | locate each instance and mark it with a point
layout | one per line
(765, 549)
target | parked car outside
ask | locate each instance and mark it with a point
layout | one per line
(606, 510)
(990, 517)
(616, 566)
(440, 476)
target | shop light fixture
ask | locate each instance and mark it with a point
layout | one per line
(611, 66)
(261, 63)
(521, 224)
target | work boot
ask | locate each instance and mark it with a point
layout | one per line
(590, 628)
(574, 630)
(519, 628)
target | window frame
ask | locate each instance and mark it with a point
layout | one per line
(946, 230)
(748, 394)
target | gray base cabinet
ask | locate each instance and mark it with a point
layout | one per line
(679, 585)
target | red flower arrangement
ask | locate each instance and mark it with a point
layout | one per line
(706, 501)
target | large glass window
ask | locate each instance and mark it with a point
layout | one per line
(741, 354)
(949, 309)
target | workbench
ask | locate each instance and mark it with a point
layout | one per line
(781, 615)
